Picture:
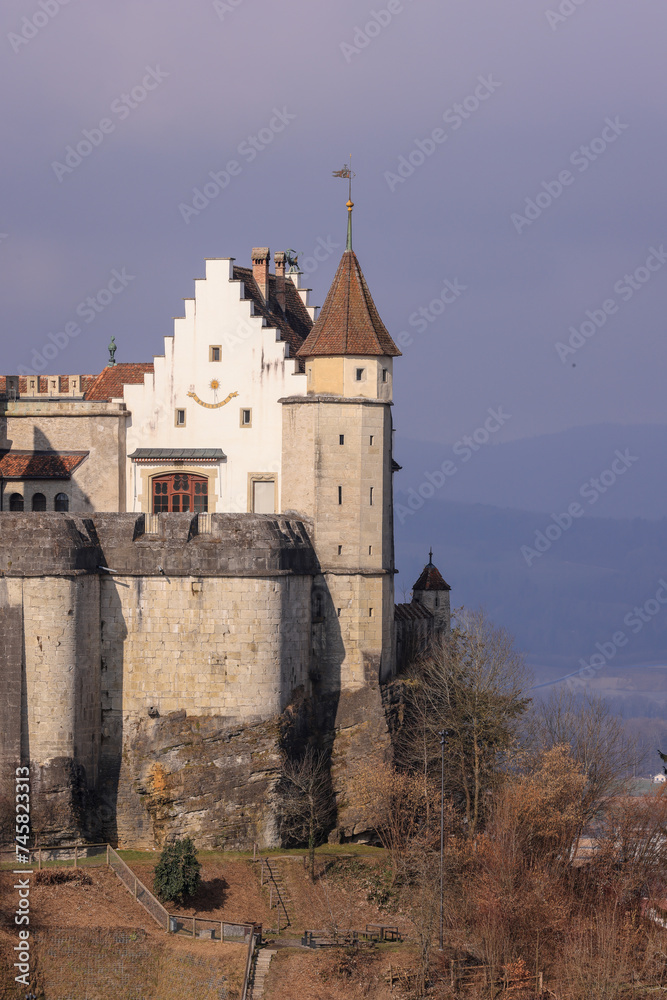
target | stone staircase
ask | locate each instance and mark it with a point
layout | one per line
(259, 972)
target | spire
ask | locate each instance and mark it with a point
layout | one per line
(350, 206)
(430, 578)
(348, 323)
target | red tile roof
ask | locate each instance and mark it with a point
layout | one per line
(86, 382)
(110, 383)
(40, 464)
(349, 322)
(430, 579)
(294, 323)
(411, 612)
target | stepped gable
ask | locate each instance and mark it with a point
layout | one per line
(349, 323)
(294, 323)
(110, 383)
(431, 579)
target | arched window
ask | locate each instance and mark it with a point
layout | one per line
(38, 501)
(180, 491)
(61, 502)
(16, 502)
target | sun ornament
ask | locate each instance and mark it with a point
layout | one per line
(214, 384)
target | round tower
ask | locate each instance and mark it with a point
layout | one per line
(337, 468)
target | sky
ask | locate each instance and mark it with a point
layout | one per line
(509, 210)
(534, 81)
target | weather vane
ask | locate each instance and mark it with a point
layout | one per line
(347, 173)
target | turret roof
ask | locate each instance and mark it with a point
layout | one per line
(430, 578)
(349, 323)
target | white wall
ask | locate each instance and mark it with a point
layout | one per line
(253, 364)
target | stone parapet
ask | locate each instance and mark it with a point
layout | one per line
(254, 545)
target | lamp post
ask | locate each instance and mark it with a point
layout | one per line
(443, 733)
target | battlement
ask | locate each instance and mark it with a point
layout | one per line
(167, 545)
(51, 386)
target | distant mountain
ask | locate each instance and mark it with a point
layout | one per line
(576, 594)
(547, 472)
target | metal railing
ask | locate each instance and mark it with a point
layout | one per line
(274, 888)
(138, 889)
(87, 855)
(254, 941)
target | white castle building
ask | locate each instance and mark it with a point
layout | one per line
(214, 548)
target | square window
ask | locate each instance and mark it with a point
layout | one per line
(340, 550)
(341, 439)
(215, 353)
(359, 374)
(340, 494)
(179, 418)
(370, 440)
(385, 375)
(370, 550)
(370, 612)
(246, 418)
(338, 611)
(371, 496)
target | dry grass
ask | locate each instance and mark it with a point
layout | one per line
(335, 975)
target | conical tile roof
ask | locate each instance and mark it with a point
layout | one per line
(431, 579)
(349, 323)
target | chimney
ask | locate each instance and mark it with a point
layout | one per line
(260, 269)
(279, 259)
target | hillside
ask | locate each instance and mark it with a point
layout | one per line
(94, 941)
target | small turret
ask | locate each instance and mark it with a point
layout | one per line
(432, 592)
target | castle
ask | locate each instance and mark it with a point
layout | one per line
(197, 565)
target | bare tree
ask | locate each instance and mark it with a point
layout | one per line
(306, 800)
(597, 740)
(471, 685)
(401, 808)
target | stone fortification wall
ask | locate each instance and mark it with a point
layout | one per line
(214, 625)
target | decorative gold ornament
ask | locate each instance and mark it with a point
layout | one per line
(212, 406)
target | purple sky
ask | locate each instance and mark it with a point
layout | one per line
(228, 69)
